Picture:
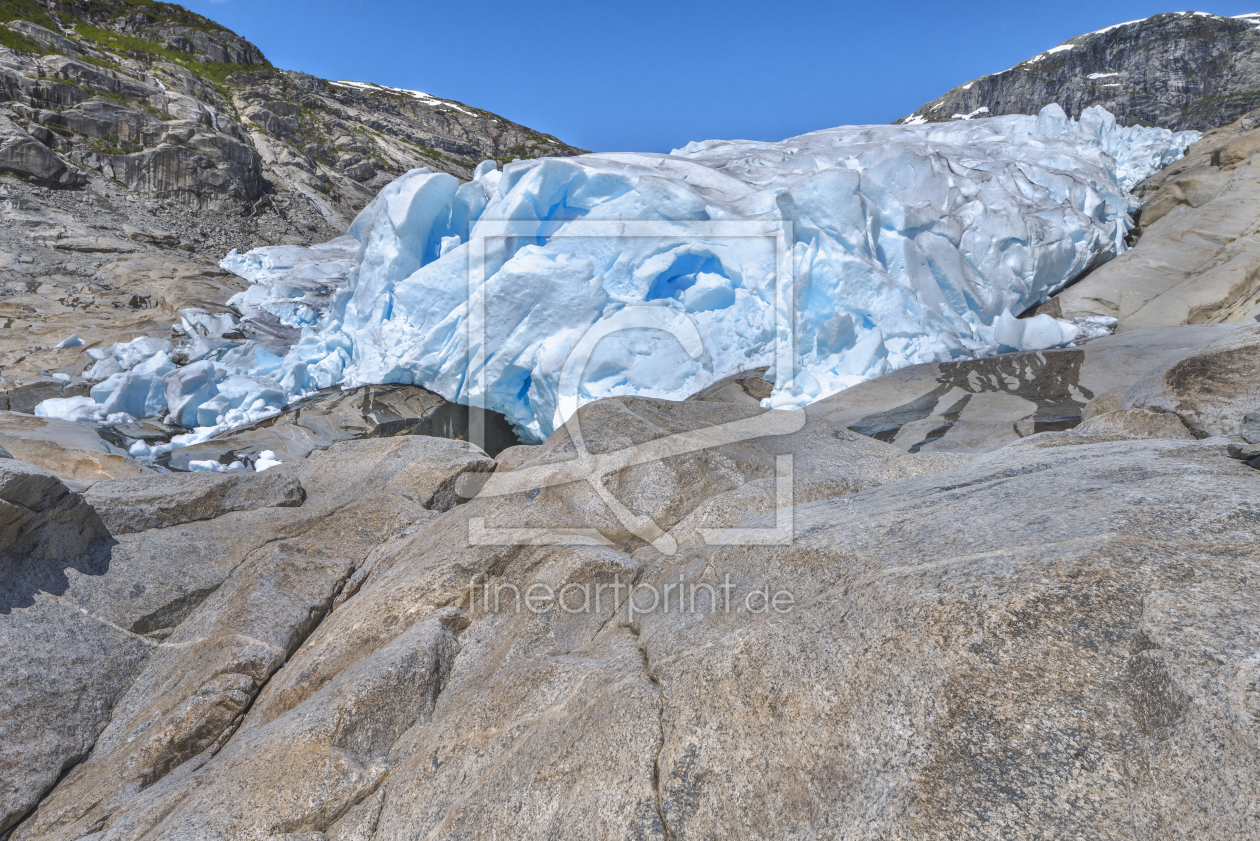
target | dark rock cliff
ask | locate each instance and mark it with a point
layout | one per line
(1185, 70)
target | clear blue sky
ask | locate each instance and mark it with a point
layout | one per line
(655, 74)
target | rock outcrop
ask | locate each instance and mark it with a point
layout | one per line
(63, 667)
(23, 155)
(1210, 388)
(1185, 70)
(42, 519)
(73, 451)
(934, 642)
(175, 107)
(1197, 253)
(127, 506)
(104, 600)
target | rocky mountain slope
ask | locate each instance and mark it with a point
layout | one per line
(139, 143)
(1184, 70)
(174, 107)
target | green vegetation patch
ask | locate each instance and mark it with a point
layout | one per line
(431, 154)
(27, 10)
(18, 42)
(520, 152)
(164, 12)
(112, 146)
(213, 71)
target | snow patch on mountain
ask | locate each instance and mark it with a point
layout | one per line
(427, 99)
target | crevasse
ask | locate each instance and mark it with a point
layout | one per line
(907, 244)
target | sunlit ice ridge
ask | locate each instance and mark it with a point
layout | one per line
(863, 248)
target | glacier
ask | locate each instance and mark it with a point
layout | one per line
(899, 244)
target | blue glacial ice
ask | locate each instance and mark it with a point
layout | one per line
(904, 244)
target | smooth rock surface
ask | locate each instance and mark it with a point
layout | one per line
(62, 669)
(980, 405)
(63, 672)
(947, 638)
(71, 450)
(282, 570)
(1011, 663)
(1210, 388)
(214, 600)
(301, 720)
(1012, 634)
(1197, 258)
(195, 689)
(132, 505)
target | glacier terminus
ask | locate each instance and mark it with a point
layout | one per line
(902, 244)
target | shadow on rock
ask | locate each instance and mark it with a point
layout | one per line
(45, 529)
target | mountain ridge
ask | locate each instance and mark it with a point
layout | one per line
(1179, 70)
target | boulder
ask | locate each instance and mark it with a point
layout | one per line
(514, 457)
(1250, 430)
(41, 518)
(1210, 388)
(132, 505)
